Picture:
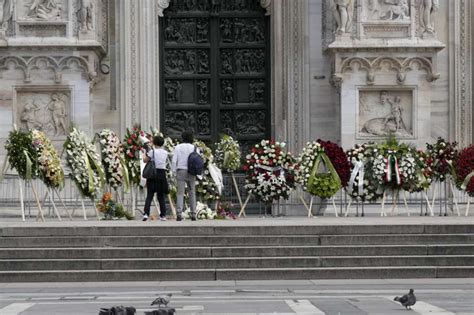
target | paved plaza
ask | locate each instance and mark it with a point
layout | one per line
(308, 297)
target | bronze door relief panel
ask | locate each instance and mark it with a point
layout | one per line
(215, 69)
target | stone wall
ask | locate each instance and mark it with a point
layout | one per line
(449, 90)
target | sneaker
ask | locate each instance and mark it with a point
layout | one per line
(179, 218)
(145, 218)
(193, 217)
(162, 219)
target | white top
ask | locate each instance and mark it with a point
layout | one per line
(180, 156)
(160, 157)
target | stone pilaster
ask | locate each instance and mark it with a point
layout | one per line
(461, 72)
(138, 62)
(290, 78)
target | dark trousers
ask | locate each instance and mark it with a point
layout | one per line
(160, 188)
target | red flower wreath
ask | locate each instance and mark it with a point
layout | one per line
(338, 159)
(464, 167)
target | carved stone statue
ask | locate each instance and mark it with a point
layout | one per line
(6, 14)
(28, 116)
(427, 10)
(343, 11)
(173, 91)
(44, 10)
(85, 14)
(57, 106)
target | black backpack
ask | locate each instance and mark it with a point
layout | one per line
(195, 163)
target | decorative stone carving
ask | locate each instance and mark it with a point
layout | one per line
(343, 11)
(392, 10)
(382, 113)
(162, 5)
(44, 10)
(266, 4)
(427, 10)
(6, 14)
(56, 66)
(44, 110)
(400, 65)
(173, 91)
(85, 15)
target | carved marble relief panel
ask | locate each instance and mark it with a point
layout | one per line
(42, 10)
(386, 10)
(386, 111)
(46, 110)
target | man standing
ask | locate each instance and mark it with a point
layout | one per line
(179, 165)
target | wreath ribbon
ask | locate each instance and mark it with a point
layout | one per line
(271, 169)
(393, 168)
(323, 158)
(4, 168)
(126, 180)
(359, 169)
(467, 180)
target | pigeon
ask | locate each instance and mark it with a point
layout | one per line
(162, 300)
(407, 300)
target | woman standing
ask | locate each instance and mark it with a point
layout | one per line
(158, 185)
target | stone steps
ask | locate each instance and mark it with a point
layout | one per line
(233, 262)
(213, 240)
(230, 251)
(185, 252)
(382, 272)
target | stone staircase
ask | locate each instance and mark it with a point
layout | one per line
(187, 252)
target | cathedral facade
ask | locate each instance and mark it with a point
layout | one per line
(348, 71)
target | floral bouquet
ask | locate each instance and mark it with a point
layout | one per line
(444, 155)
(323, 185)
(207, 188)
(84, 162)
(111, 209)
(270, 171)
(465, 170)
(49, 163)
(359, 187)
(228, 154)
(112, 159)
(424, 175)
(132, 145)
(393, 165)
(203, 212)
(224, 211)
(21, 155)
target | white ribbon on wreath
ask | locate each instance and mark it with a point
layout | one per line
(358, 170)
(216, 175)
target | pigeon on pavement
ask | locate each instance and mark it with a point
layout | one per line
(162, 300)
(407, 300)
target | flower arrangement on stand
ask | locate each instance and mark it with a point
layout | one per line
(203, 212)
(326, 184)
(443, 155)
(465, 170)
(84, 162)
(270, 171)
(132, 146)
(228, 154)
(112, 159)
(424, 175)
(394, 167)
(360, 188)
(49, 163)
(111, 209)
(228, 158)
(21, 155)
(339, 160)
(207, 186)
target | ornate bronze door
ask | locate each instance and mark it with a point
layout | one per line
(215, 69)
